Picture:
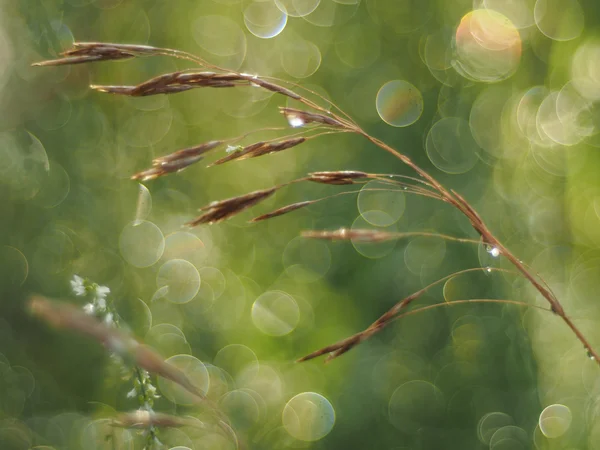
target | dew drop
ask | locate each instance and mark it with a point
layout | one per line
(494, 251)
(295, 121)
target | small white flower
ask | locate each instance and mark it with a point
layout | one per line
(102, 292)
(108, 319)
(151, 390)
(78, 286)
(100, 303)
(132, 393)
(89, 308)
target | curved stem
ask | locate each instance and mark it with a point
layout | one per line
(471, 300)
(463, 206)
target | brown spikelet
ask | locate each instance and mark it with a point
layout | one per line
(344, 234)
(298, 117)
(175, 82)
(337, 178)
(224, 209)
(149, 174)
(135, 49)
(175, 165)
(336, 182)
(273, 148)
(193, 76)
(155, 83)
(69, 60)
(121, 90)
(351, 341)
(166, 167)
(187, 152)
(235, 154)
(260, 149)
(274, 88)
(131, 90)
(176, 161)
(84, 52)
(205, 77)
(351, 174)
(283, 210)
(170, 89)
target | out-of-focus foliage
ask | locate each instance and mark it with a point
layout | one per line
(496, 99)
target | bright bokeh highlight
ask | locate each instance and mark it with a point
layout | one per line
(488, 46)
(308, 416)
(555, 420)
(195, 372)
(275, 313)
(264, 19)
(399, 103)
(181, 279)
(450, 146)
(141, 243)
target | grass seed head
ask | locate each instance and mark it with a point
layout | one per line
(218, 211)
(298, 117)
(283, 210)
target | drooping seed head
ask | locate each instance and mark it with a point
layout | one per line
(155, 83)
(121, 90)
(298, 117)
(272, 87)
(84, 52)
(283, 210)
(187, 152)
(236, 154)
(130, 48)
(337, 178)
(218, 211)
(150, 174)
(346, 174)
(260, 149)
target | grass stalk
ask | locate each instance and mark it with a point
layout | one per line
(179, 81)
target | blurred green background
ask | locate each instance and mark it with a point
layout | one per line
(496, 99)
